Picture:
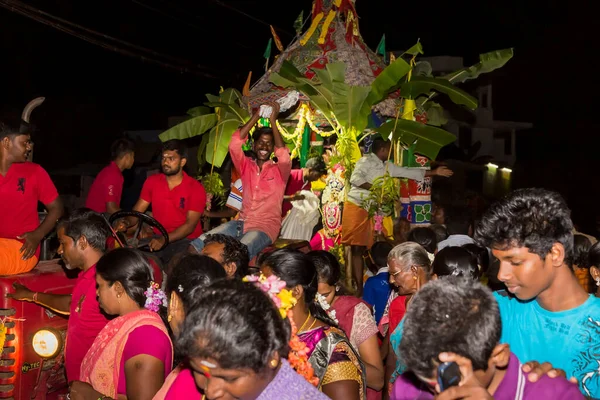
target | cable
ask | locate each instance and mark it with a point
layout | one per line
(14, 6)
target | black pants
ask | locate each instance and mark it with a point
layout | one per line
(172, 250)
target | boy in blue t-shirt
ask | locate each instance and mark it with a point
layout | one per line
(547, 316)
(377, 288)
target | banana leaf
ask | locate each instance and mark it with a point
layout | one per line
(387, 81)
(289, 76)
(416, 49)
(226, 128)
(435, 113)
(198, 111)
(190, 128)
(233, 108)
(488, 62)
(428, 140)
(202, 151)
(350, 106)
(419, 85)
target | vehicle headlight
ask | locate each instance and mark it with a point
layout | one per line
(46, 343)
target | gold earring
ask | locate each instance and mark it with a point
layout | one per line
(169, 318)
(274, 363)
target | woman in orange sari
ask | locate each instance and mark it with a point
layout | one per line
(133, 354)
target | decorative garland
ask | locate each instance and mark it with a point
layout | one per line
(285, 301)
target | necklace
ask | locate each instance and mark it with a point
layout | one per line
(305, 322)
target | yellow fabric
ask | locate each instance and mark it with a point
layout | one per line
(325, 28)
(312, 28)
(341, 371)
(10, 258)
(388, 226)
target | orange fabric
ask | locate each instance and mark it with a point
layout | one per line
(357, 227)
(10, 258)
(162, 393)
(101, 365)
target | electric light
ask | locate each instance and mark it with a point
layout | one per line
(507, 170)
(46, 343)
(490, 165)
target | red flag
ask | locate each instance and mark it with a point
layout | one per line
(276, 39)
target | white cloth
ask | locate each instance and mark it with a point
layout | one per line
(235, 200)
(369, 168)
(455, 240)
(302, 218)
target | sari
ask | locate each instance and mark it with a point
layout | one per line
(180, 384)
(333, 358)
(101, 365)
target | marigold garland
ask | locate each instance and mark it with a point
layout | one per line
(285, 301)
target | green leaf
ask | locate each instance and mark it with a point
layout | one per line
(422, 68)
(419, 85)
(190, 128)
(198, 111)
(226, 128)
(350, 106)
(202, 151)
(435, 114)
(387, 81)
(233, 109)
(416, 49)
(428, 140)
(488, 62)
(337, 71)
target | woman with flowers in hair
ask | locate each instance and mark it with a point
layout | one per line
(188, 278)
(133, 354)
(238, 343)
(336, 365)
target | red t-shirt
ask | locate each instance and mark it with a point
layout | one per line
(85, 322)
(107, 187)
(20, 190)
(170, 207)
(295, 184)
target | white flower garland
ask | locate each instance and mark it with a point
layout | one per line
(326, 307)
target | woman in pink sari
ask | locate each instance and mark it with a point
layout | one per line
(354, 317)
(133, 354)
(190, 276)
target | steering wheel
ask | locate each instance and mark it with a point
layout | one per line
(135, 241)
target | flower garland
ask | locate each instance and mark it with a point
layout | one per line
(285, 301)
(319, 298)
(155, 297)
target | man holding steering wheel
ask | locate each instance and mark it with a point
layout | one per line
(177, 200)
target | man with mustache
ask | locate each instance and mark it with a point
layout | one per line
(22, 185)
(82, 237)
(263, 181)
(177, 199)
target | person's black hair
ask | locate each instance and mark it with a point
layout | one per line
(532, 218)
(455, 261)
(261, 131)
(379, 253)
(128, 267)
(295, 268)
(581, 248)
(450, 314)
(88, 223)
(120, 148)
(317, 164)
(328, 269)
(594, 255)
(458, 220)
(192, 274)
(233, 251)
(481, 254)
(425, 237)
(175, 145)
(236, 324)
(378, 144)
(440, 231)
(9, 132)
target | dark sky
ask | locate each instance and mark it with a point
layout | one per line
(94, 94)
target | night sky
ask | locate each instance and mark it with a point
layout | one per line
(94, 94)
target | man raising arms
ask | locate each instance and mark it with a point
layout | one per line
(22, 185)
(105, 193)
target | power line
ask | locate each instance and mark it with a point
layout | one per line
(27, 11)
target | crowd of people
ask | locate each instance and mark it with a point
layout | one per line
(502, 308)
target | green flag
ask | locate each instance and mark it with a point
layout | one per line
(299, 22)
(267, 54)
(381, 48)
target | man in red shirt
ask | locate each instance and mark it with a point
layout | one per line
(300, 179)
(105, 193)
(263, 182)
(82, 238)
(177, 199)
(22, 185)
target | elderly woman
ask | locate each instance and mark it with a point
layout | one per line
(188, 278)
(237, 344)
(133, 354)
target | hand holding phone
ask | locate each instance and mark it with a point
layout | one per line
(448, 375)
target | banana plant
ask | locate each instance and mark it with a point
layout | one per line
(216, 121)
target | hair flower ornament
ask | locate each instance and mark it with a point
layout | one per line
(285, 301)
(319, 298)
(155, 297)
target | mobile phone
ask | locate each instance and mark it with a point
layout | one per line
(448, 375)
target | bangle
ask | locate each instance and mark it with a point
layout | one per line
(34, 298)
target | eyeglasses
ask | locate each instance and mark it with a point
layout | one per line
(400, 271)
